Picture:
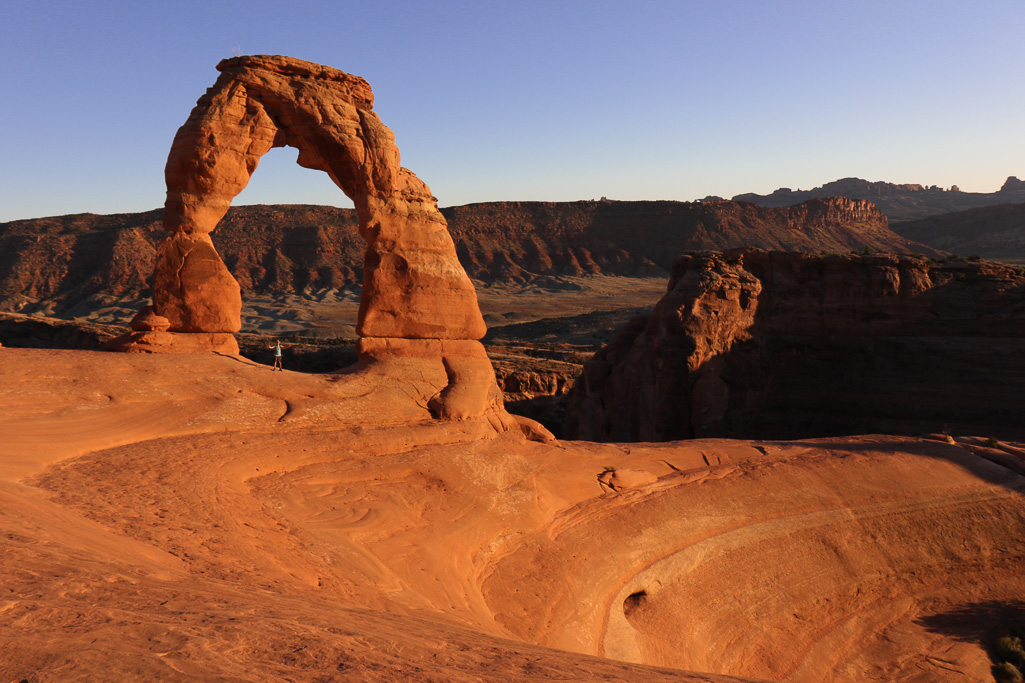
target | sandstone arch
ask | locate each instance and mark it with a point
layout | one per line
(417, 300)
(414, 286)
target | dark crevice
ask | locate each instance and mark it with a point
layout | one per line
(634, 601)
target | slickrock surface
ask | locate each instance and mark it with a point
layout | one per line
(785, 345)
(196, 517)
(50, 333)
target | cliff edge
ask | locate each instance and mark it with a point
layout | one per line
(786, 345)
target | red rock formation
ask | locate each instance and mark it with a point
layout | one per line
(670, 371)
(193, 289)
(416, 298)
(53, 264)
(786, 345)
(413, 284)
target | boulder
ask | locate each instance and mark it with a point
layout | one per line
(146, 320)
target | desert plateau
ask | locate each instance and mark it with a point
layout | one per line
(723, 440)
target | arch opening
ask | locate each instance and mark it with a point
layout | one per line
(279, 179)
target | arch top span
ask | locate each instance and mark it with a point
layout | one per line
(414, 286)
(260, 102)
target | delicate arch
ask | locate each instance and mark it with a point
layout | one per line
(414, 286)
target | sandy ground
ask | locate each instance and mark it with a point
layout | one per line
(204, 518)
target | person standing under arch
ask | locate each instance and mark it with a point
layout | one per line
(277, 356)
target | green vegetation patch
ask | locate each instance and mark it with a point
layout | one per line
(1008, 654)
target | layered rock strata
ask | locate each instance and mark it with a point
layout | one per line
(57, 264)
(414, 293)
(516, 241)
(996, 232)
(786, 345)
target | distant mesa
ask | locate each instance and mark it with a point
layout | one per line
(1012, 184)
(845, 187)
(900, 202)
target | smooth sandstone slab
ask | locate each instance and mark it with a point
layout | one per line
(167, 518)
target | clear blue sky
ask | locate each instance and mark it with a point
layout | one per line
(530, 100)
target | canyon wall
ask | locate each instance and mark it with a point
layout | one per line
(517, 240)
(996, 232)
(786, 345)
(54, 264)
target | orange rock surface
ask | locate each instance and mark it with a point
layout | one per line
(198, 517)
(192, 287)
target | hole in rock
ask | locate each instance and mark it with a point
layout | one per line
(634, 601)
(279, 179)
(318, 333)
